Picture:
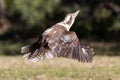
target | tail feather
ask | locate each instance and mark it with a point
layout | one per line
(25, 49)
(31, 56)
(33, 59)
(26, 55)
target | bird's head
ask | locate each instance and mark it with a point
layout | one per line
(69, 20)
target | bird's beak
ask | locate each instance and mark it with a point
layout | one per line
(75, 13)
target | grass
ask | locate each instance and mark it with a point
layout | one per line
(102, 68)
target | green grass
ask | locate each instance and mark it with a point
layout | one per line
(102, 68)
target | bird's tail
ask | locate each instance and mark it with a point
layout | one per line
(36, 51)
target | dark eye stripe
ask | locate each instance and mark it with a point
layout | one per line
(69, 22)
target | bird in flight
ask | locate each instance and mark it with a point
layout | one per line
(59, 41)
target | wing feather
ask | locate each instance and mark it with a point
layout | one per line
(71, 48)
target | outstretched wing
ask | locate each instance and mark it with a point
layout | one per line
(69, 46)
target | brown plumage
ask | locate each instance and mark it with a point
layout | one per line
(60, 42)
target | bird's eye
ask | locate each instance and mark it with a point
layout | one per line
(70, 17)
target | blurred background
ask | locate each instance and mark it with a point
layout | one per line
(98, 22)
(97, 25)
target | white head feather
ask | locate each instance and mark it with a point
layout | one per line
(69, 20)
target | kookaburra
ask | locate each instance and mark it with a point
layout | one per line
(58, 41)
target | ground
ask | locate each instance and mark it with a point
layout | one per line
(102, 68)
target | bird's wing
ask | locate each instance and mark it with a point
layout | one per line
(69, 46)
